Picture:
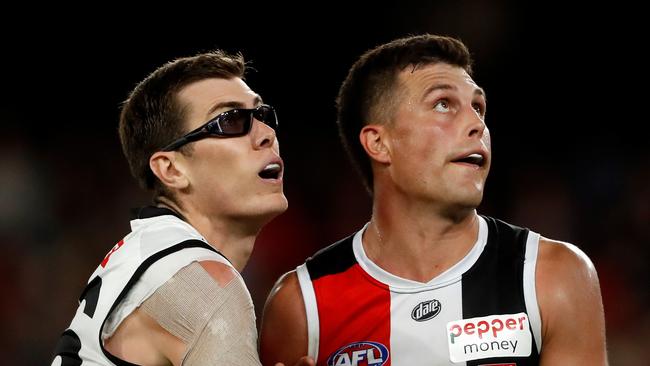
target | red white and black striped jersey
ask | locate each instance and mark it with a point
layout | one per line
(481, 311)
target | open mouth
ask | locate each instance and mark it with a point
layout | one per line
(271, 171)
(473, 159)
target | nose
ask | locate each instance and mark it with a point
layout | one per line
(262, 134)
(476, 126)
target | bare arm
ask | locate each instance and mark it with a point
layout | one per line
(283, 334)
(568, 292)
(142, 340)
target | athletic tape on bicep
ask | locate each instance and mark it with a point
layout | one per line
(216, 323)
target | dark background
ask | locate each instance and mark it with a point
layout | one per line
(567, 109)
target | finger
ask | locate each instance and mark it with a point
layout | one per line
(306, 361)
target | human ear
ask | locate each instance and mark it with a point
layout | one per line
(169, 170)
(375, 141)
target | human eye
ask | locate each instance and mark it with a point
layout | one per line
(233, 121)
(479, 108)
(442, 106)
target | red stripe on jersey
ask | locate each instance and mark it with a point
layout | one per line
(113, 250)
(352, 307)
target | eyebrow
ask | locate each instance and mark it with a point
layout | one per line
(431, 89)
(481, 92)
(233, 104)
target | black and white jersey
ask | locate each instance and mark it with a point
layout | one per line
(159, 245)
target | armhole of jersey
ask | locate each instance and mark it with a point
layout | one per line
(530, 294)
(151, 279)
(137, 274)
(311, 309)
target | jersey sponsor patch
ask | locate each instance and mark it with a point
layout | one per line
(359, 354)
(506, 335)
(426, 310)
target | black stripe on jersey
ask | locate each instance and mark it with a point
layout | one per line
(333, 259)
(91, 295)
(192, 243)
(153, 211)
(494, 284)
(68, 348)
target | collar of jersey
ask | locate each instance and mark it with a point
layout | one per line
(399, 284)
(153, 211)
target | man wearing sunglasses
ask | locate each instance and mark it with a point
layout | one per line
(170, 292)
(428, 281)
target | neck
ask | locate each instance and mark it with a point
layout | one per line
(416, 240)
(234, 238)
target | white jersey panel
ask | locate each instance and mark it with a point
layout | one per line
(311, 310)
(168, 243)
(159, 273)
(415, 338)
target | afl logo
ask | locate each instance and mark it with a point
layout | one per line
(426, 310)
(359, 354)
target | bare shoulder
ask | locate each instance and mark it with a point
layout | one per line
(568, 294)
(283, 333)
(287, 287)
(561, 249)
(220, 272)
(564, 270)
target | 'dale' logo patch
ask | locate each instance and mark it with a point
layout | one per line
(426, 310)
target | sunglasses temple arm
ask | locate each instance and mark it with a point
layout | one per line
(192, 136)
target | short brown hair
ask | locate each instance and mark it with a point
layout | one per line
(152, 116)
(369, 90)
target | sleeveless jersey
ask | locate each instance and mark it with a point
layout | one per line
(159, 245)
(481, 311)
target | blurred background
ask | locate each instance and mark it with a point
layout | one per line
(567, 109)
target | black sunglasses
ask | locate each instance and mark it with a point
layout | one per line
(232, 123)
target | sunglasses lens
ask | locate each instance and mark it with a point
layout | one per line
(237, 122)
(234, 122)
(266, 114)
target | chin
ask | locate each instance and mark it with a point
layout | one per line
(472, 195)
(282, 206)
(474, 200)
(460, 209)
(273, 207)
(467, 200)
